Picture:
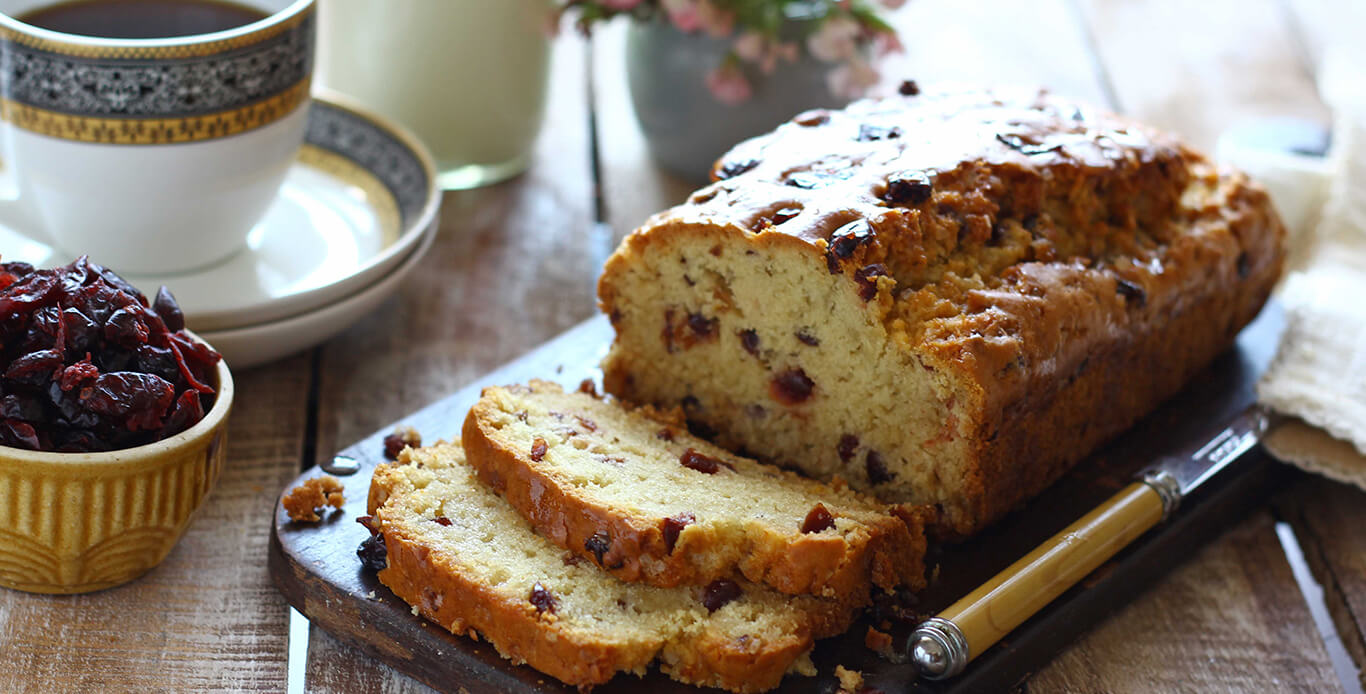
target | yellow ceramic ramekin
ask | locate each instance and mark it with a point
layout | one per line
(79, 522)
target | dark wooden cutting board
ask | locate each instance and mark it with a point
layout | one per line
(316, 568)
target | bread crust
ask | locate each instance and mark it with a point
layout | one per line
(445, 595)
(886, 552)
(1069, 271)
(441, 590)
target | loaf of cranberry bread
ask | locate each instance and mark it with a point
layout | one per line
(946, 298)
(467, 561)
(634, 493)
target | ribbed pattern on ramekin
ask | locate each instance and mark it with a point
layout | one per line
(78, 528)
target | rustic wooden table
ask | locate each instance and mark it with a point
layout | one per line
(1278, 603)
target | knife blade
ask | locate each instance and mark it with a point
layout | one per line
(943, 645)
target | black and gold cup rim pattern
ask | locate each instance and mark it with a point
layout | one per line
(157, 91)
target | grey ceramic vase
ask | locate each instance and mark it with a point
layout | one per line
(687, 128)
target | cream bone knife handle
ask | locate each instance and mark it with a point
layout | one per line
(943, 645)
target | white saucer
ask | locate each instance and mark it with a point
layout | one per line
(258, 344)
(354, 205)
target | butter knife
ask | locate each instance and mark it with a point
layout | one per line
(943, 645)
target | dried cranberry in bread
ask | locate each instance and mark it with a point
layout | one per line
(633, 492)
(946, 298)
(465, 560)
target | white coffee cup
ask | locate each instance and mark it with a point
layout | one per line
(157, 155)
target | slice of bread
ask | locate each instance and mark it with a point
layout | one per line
(632, 491)
(467, 561)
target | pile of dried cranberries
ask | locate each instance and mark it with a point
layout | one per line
(89, 365)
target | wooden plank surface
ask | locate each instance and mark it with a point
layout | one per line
(1328, 518)
(1230, 620)
(208, 618)
(512, 266)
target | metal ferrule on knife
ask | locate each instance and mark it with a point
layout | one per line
(942, 646)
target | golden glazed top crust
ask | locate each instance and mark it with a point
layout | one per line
(990, 229)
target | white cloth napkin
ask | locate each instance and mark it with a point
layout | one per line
(1319, 373)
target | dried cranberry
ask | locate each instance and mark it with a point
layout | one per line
(720, 592)
(812, 118)
(140, 400)
(81, 331)
(538, 449)
(673, 526)
(541, 599)
(702, 463)
(166, 307)
(734, 167)
(872, 133)
(372, 553)
(846, 447)
(402, 437)
(807, 338)
(22, 409)
(187, 410)
(876, 468)
(588, 387)
(791, 387)
(817, 519)
(94, 366)
(908, 88)
(35, 367)
(908, 189)
(19, 434)
(750, 341)
(155, 360)
(1132, 293)
(844, 241)
(127, 327)
(667, 334)
(866, 277)
(900, 607)
(665, 434)
(704, 328)
(598, 543)
(586, 423)
(783, 214)
(442, 521)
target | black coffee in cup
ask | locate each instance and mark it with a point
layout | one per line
(141, 19)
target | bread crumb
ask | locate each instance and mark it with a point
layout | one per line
(878, 641)
(302, 502)
(850, 680)
(803, 666)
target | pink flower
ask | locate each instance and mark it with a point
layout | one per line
(851, 79)
(887, 43)
(836, 40)
(728, 84)
(751, 46)
(621, 5)
(716, 22)
(683, 14)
